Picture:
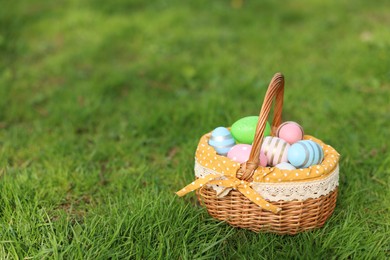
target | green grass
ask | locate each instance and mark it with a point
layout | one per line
(102, 104)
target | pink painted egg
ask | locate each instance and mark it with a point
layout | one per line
(276, 150)
(240, 152)
(290, 131)
(263, 159)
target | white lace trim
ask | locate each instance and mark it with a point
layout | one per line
(286, 191)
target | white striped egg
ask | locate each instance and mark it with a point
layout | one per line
(275, 149)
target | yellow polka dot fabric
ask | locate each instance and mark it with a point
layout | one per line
(207, 157)
(226, 168)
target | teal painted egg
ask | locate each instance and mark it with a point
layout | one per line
(244, 129)
(221, 140)
(318, 152)
(305, 153)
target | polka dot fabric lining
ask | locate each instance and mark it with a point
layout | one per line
(207, 157)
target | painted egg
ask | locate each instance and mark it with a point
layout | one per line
(244, 129)
(319, 154)
(263, 159)
(240, 152)
(221, 140)
(285, 166)
(290, 131)
(275, 149)
(305, 153)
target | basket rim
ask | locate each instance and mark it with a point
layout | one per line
(320, 171)
(286, 191)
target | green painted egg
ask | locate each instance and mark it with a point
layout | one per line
(243, 130)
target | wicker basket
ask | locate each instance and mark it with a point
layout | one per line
(295, 204)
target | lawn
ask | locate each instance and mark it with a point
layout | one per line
(102, 104)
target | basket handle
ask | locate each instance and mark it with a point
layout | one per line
(275, 90)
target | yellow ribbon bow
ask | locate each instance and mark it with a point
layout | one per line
(230, 182)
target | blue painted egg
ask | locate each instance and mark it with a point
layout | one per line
(318, 152)
(305, 153)
(221, 140)
(285, 166)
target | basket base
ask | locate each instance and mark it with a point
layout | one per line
(296, 216)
